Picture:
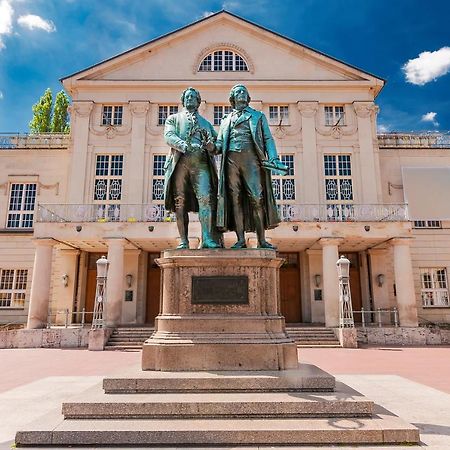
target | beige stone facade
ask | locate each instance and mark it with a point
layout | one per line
(98, 191)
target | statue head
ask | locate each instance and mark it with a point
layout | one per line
(189, 96)
(239, 92)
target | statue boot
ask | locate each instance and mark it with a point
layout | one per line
(182, 225)
(206, 221)
(260, 230)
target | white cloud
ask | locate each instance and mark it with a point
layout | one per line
(383, 128)
(206, 14)
(32, 21)
(430, 117)
(427, 66)
(6, 15)
(1, 95)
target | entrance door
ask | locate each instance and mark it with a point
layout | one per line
(91, 284)
(153, 288)
(290, 288)
(355, 282)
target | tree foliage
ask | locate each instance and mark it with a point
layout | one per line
(49, 117)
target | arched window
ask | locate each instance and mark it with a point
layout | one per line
(223, 60)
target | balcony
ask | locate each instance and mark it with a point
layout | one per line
(414, 140)
(14, 141)
(60, 213)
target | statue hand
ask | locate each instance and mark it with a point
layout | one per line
(210, 146)
(194, 147)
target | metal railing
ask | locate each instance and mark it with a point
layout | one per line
(414, 140)
(377, 317)
(156, 213)
(10, 141)
(70, 318)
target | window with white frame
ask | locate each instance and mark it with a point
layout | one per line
(112, 115)
(338, 186)
(284, 186)
(220, 111)
(279, 115)
(334, 115)
(427, 224)
(434, 287)
(157, 194)
(13, 284)
(22, 200)
(164, 111)
(108, 186)
(223, 60)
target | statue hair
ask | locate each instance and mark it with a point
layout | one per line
(232, 94)
(197, 94)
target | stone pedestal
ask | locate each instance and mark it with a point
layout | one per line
(220, 311)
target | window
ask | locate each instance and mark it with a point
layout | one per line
(22, 200)
(434, 289)
(338, 186)
(164, 111)
(108, 186)
(223, 60)
(427, 224)
(112, 115)
(157, 212)
(220, 111)
(284, 187)
(334, 115)
(13, 284)
(279, 115)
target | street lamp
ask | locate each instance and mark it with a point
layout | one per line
(345, 296)
(100, 293)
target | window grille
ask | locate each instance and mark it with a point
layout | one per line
(164, 111)
(434, 288)
(279, 115)
(108, 186)
(427, 224)
(220, 111)
(112, 115)
(338, 186)
(22, 199)
(284, 186)
(334, 115)
(157, 194)
(13, 284)
(223, 60)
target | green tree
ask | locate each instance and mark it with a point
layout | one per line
(60, 122)
(42, 113)
(49, 117)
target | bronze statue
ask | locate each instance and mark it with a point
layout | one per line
(245, 198)
(190, 181)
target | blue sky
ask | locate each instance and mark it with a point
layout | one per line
(407, 42)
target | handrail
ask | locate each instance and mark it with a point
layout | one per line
(378, 316)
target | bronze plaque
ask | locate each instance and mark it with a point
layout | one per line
(225, 290)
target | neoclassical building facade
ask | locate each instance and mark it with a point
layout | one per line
(68, 199)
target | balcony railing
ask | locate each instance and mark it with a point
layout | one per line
(11, 141)
(414, 140)
(157, 213)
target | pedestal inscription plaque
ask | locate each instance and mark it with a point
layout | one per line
(220, 290)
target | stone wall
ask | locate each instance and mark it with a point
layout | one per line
(45, 338)
(403, 336)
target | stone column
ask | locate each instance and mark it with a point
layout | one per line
(404, 283)
(311, 176)
(330, 255)
(80, 112)
(115, 283)
(135, 162)
(378, 266)
(365, 112)
(40, 284)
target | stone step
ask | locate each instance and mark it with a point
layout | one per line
(381, 429)
(306, 378)
(97, 405)
(123, 347)
(126, 339)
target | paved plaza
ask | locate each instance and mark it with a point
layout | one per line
(413, 383)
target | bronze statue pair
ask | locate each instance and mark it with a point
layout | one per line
(241, 198)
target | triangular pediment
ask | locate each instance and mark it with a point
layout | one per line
(177, 55)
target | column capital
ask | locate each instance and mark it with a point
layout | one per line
(139, 108)
(330, 241)
(365, 109)
(115, 241)
(81, 108)
(313, 252)
(69, 251)
(44, 242)
(308, 109)
(401, 241)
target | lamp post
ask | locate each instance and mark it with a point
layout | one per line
(100, 294)
(345, 296)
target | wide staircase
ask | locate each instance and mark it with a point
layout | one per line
(132, 338)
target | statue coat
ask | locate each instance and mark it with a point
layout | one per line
(176, 131)
(265, 149)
